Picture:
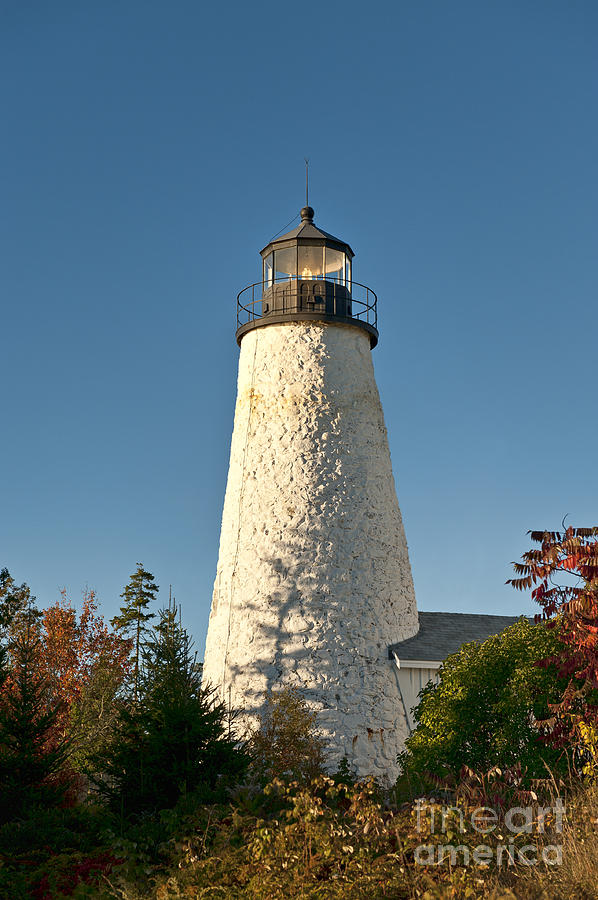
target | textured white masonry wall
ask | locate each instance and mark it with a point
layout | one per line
(313, 579)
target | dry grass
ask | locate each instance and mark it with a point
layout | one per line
(577, 876)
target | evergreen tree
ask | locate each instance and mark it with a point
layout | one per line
(133, 618)
(30, 755)
(175, 740)
(17, 606)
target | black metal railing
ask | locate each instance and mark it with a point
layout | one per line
(288, 296)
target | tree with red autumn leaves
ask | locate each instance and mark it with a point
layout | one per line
(86, 665)
(563, 575)
(81, 663)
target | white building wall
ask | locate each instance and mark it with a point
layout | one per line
(313, 580)
(412, 679)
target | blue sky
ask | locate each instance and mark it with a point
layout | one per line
(150, 149)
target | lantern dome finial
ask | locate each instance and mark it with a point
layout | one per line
(307, 214)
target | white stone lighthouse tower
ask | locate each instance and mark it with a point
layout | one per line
(313, 581)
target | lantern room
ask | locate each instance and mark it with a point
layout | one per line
(306, 274)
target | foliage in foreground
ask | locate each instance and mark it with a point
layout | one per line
(51, 851)
(322, 840)
(333, 841)
(484, 709)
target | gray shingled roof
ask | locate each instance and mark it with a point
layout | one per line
(442, 633)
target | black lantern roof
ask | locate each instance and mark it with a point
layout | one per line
(307, 232)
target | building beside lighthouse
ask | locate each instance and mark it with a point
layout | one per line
(313, 587)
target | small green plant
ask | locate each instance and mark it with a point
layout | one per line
(345, 774)
(287, 744)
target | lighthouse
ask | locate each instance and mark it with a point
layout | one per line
(313, 581)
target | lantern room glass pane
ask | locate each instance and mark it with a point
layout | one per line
(268, 270)
(311, 263)
(348, 271)
(335, 265)
(285, 263)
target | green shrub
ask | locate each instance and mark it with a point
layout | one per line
(484, 710)
(49, 850)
